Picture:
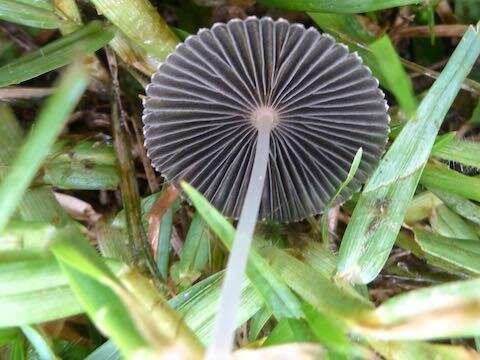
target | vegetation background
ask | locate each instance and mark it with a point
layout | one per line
(393, 273)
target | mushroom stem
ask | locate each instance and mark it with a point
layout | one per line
(224, 328)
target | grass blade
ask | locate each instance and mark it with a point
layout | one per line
(379, 213)
(56, 54)
(140, 21)
(447, 223)
(198, 310)
(40, 342)
(442, 178)
(34, 291)
(37, 204)
(338, 6)
(350, 175)
(445, 311)
(93, 284)
(449, 253)
(461, 206)
(462, 151)
(28, 13)
(48, 125)
(194, 256)
(417, 350)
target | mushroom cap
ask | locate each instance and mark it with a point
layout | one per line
(202, 104)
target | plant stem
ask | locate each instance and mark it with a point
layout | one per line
(224, 329)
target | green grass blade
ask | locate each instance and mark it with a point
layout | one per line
(37, 204)
(276, 294)
(40, 342)
(86, 165)
(198, 305)
(194, 256)
(448, 223)
(28, 13)
(461, 206)
(107, 351)
(444, 311)
(258, 322)
(380, 211)
(418, 350)
(93, 284)
(462, 151)
(449, 253)
(324, 295)
(34, 291)
(290, 331)
(141, 23)
(441, 178)
(350, 175)
(36, 147)
(337, 6)
(27, 237)
(394, 75)
(421, 206)
(164, 245)
(333, 334)
(56, 54)
(80, 176)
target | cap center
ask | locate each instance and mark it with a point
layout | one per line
(264, 117)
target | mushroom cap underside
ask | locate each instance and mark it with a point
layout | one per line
(202, 106)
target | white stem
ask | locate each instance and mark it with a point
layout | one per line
(224, 328)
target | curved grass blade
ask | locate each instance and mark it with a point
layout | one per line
(350, 175)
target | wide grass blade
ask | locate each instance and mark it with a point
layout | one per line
(93, 284)
(380, 211)
(36, 147)
(34, 291)
(350, 175)
(31, 238)
(56, 54)
(29, 13)
(444, 311)
(338, 6)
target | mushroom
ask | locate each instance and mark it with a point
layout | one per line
(264, 118)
